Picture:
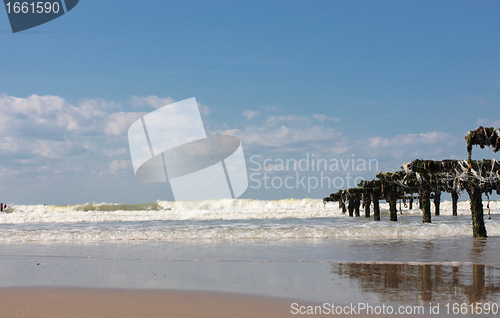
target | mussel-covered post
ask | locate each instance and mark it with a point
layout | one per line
(342, 205)
(357, 204)
(391, 182)
(483, 176)
(354, 195)
(476, 208)
(482, 137)
(376, 191)
(425, 198)
(454, 204)
(350, 205)
(428, 176)
(376, 205)
(489, 177)
(437, 200)
(339, 196)
(392, 197)
(371, 193)
(367, 200)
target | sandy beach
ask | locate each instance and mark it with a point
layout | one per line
(97, 303)
(76, 303)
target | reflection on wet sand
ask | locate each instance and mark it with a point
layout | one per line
(410, 283)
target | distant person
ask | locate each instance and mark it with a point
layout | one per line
(1, 207)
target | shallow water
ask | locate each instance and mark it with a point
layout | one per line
(392, 272)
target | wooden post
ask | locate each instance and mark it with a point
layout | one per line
(437, 201)
(356, 205)
(376, 206)
(488, 206)
(425, 198)
(350, 206)
(392, 204)
(454, 198)
(367, 201)
(476, 209)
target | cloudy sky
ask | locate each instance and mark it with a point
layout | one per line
(389, 81)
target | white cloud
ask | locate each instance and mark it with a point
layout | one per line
(296, 135)
(45, 148)
(430, 145)
(429, 138)
(250, 114)
(488, 122)
(35, 113)
(284, 135)
(153, 101)
(52, 117)
(117, 167)
(323, 118)
(118, 123)
(38, 129)
(48, 135)
(284, 131)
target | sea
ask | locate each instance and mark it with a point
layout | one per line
(300, 249)
(229, 220)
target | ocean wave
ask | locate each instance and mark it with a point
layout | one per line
(228, 220)
(226, 209)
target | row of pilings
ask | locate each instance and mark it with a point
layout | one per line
(428, 179)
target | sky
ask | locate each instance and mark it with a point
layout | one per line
(343, 81)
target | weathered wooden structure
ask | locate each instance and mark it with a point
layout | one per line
(429, 178)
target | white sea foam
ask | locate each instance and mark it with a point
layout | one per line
(225, 209)
(227, 219)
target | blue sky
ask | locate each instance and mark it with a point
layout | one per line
(390, 80)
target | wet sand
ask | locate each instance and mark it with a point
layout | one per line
(164, 279)
(76, 303)
(96, 303)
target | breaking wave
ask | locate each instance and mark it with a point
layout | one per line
(226, 219)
